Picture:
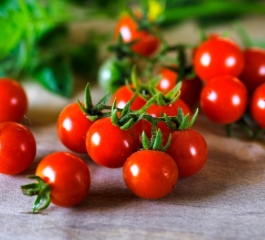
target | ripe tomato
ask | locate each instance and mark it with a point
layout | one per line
(224, 99)
(150, 174)
(218, 56)
(68, 177)
(156, 111)
(17, 148)
(108, 145)
(257, 105)
(72, 127)
(190, 88)
(189, 150)
(146, 44)
(253, 73)
(123, 95)
(13, 101)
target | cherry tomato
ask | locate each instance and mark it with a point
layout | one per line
(67, 175)
(108, 145)
(72, 127)
(17, 148)
(150, 174)
(146, 44)
(13, 101)
(257, 105)
(218, 56)
(189, 150)
(224, 99)
(113, 73)
(123, 95)
(190, 88)
(156, 111)
(253, 73)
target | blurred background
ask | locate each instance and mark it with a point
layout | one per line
(60, 45)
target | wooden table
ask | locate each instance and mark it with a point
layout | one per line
(225, 200)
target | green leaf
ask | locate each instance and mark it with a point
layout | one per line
(56, 77)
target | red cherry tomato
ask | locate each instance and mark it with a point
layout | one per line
(123, 95)
(146, 44)
(67, 175)
(13, 101)
(170, 110)
(72, 127)
(224, 99)
(108, 145)
(150, 174)
(17, 148)
(189, 150)
(190, 88)
(257, 105)
(253, 73)
(218, 56)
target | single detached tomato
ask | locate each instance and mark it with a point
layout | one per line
(257, 105)
(113, 73)
(72, 127)
(218, 56)
(253, 73)
(67, 176)
(13, 101)
(108, 145)
(146, 44)
(190, 88)
(150, 174)
(224, 99)
(189, 150)
(157, 111)
(123, 95)
(17, 148)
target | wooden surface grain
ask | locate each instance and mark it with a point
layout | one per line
(225, 200)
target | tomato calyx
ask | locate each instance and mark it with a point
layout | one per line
(41, 189)
(93, 112)
(155, 143)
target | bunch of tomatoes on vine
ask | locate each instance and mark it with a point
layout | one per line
(144, 123)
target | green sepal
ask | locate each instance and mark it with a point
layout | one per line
(174, 93)
(127, 125)
(158, 141)
(114, 117)
(160, 99)
(169, 123)
(145, 141)
(184, 123)
(41, 189)
(87, 98)
(168, 143)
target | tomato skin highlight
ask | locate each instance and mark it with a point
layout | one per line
(150, 174)
(13, 101)
(218, 56)
(224, 99)
(108, 145)
(257, 105)
(67, 175)
(72, 126)
(17, 148)
(146, 44)
(253, 73)
(189, 150)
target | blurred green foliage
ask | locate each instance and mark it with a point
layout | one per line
(34, 40)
